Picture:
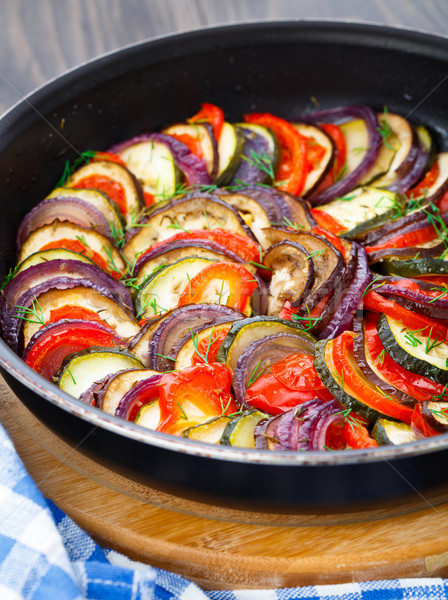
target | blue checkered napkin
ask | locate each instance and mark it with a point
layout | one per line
(44, 555)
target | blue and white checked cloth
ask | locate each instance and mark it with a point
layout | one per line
(44, 555)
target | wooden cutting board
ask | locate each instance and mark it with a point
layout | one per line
(219, 548)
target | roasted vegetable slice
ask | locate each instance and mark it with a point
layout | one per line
(320, 154)
(386, 431)
(239, 431)
(210, 432)
(79, 371)
(230, 147)
(199, 138)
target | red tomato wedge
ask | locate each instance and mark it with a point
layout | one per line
(209, 346)
(195, 395)
(428, 180)
(357, 435)
(112, 188)
(221, 282)
(293, 166)
(297, 372)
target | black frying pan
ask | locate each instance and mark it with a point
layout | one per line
(277, 67)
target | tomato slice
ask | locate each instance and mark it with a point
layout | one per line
(110, 156)
(195, 395)
(419, 423)
(242, 246)
(356, 384)
(47, 354)
(415, 385)
(357, 435)
(270, 395)
(428, 180)
(221, 282)
(297, 372)
(293, 165)
(210, 113)
(80, 248)
(112, 188)
(209, 346)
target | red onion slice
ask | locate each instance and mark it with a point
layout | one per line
(142, 393)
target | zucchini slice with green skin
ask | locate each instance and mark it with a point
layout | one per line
(386, 431)
(154, 166)
(210, 432)
(230, 147)
(81, 370)
(416, 268)
(246, 331)
(204, 136)
(357, 141)
(149, 415)
(359, 209)
(414, 350)
(161, 291)
(239, 431)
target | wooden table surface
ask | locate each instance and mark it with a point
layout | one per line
(39, 39)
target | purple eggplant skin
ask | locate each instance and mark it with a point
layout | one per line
(412, 168)
(340, 188)
(92, 396)
(360, 357)
(343, 316)
(260, 355)
(191, 165)
(172, 245)
(74, 210)
(144, 386)
(165, 336)
(377, 256)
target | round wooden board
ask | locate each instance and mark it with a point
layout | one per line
(214, 550)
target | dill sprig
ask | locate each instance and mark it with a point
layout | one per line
(261, 161)
(32, 314)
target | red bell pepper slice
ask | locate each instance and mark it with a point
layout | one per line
(80, 248)
(410, 284)
(355, 383)
(415, 385)
(441, 280)
(376, 303)
(293, 166)
(428, 180)
(244, 247)
(331, 237)
(112, 188)
(110, 156)
(270, 395)
(335, 132)
(195, 395)
(221, 282)
(327, 222)
(357, 435)
(407, 240)
(212, 114)
(297, 372)
(209, 346)
(420, 425)
(191, 142)
(47, 354)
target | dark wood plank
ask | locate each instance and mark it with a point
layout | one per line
(39, 40)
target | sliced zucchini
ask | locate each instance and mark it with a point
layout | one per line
(230, 148)
(58, 231)
(363, 206)
(187, 351)
(418, 267)
(81, 370)
(154, 166)
(209, 432)
(415, 350)
(204, 136)
(356, 137)
(44, 256)
(166, 285)
(316, 136)
(239, 431)
(132, 196)
(246, 331)
(149, 415)
(386, 431)
(114, 314)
